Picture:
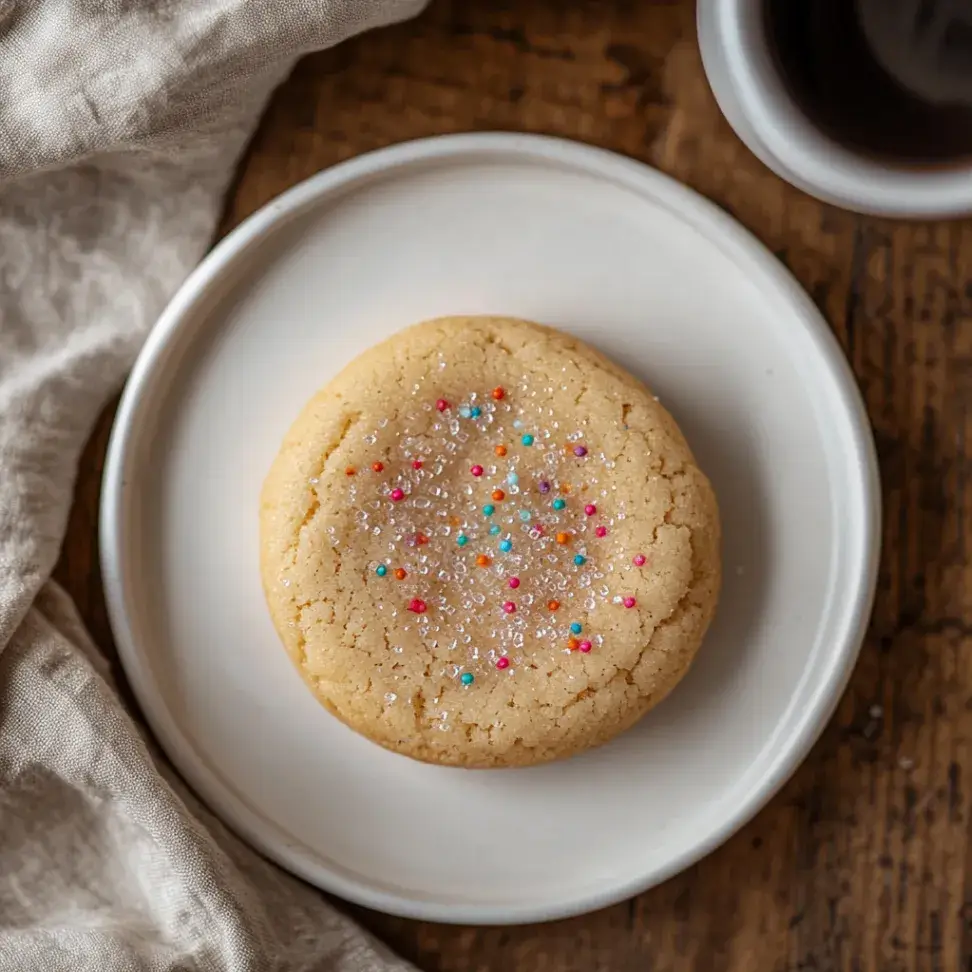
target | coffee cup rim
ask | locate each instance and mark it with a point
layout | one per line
(765, 116)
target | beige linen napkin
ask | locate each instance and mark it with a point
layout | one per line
(120, 122)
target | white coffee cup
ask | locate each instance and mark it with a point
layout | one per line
(745, 79)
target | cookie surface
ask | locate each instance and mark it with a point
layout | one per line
(484, 544)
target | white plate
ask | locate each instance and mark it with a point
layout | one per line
(660, 280)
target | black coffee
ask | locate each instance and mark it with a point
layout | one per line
(832, 73)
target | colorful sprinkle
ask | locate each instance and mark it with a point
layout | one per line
(489, 509)
(502, 663)
(585, 646)
(580, 560)
(498, 394)
(517, 424)
(563, 538)
(378, 466)
(421, 539)
(475, 411)
(575, 627)
(417, 606)
(462, 539)
(465, 411)
(514, 582)
(441, 405)
(512, 478)
(553, 605)
(601, 531)
(493, 530)
(580, 451)
(467, 678)
(499, 495)
(500, 450)
(639, 560)
(506, 545)
(400, 573)
(483, 561)
(629, 602)
(565, 488)
(397, 495)
(590, 509)
(381, 570)
(527, 440)
(417, 464)
(350, 471)
(544, 486)
(559, 504)
(573, 644)
(525, 516)
(509, 607)
(476, 470)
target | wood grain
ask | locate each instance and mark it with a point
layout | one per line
(862, 862)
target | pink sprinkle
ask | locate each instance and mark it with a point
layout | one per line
(514, 582)
(441, 405)
(590, 509)
(502, 663)
(585, 646)
(477, 470)
(417, 464)
(397, 495)
(580, 452)
(601, 531)
(639, 560)
(417, 606)
(509, 607)
(629, 602)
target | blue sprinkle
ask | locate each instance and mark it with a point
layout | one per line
(517, 424)
(381, 570)
(467, 678)
(489, 509)
(575, 628)
(506, 545)
(559, 504)
(462, 539)
(493, 530)
(512, 478)
(475, 411)
(525, 515)
(527, 440)
(580, 559)
(465, 411)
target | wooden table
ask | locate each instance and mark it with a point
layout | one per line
(862, 861)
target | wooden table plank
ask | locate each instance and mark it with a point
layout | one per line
(862, 862)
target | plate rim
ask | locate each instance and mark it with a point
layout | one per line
(262, 834)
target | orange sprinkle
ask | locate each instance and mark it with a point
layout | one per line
(572, 644)
(563, 538)
(454, 521)
(565, 487)
(378, 466)
(401, 573)
(498, 495)
(421, 539)
(498, 393)
(553, 605)
(483, 561)
(500, 450)
(350, 471)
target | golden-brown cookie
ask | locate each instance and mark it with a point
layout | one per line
(484, 544)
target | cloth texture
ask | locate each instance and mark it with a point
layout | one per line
(120, 124)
